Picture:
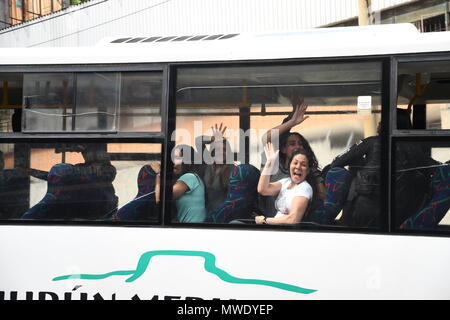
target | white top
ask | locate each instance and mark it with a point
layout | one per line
(284, 200)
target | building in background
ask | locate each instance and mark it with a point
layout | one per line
(19, 11)
(56, 23)
(426, 15)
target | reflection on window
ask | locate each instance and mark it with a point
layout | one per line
(96, 102)
(432, 24)
(92, 101)
(422, 185)
(11, 101)
(343, 107)
(79, 181)
(48, 101)
(423, 89)
(140, 102)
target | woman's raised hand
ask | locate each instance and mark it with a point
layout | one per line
(271, 154)
(218, 132)
(299, 109)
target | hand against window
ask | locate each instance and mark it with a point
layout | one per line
(298, 113)
(218, 132)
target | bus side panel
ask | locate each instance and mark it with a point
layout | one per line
(152, 263)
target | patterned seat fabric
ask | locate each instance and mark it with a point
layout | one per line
(97, 197)
(62, 194)
(241, 198)
(435, 209)
(337, 183)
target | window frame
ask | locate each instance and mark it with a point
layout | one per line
(389, 135)
(101, 137)
(386, 95)
(416, 135)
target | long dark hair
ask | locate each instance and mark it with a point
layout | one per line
(315, 201)
(225, 167)
(188, 156)
(283, 140)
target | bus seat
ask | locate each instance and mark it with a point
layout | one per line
(62, 193)
(242, 195)
(337, 183)
(14, 196)
(435, 209)
(97, 196)
(143, 206)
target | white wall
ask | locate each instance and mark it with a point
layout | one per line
(85, 24)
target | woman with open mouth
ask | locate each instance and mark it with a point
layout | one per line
(294, 193)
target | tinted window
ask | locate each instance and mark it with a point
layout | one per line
(92, 102)
(422, 185)
(343, 107)
(78, 181)
(423, 88)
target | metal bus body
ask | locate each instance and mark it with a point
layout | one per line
(220, 79)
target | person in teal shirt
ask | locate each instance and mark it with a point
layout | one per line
(189, 189)
(191, 203)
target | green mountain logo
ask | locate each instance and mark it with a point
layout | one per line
(210, 266)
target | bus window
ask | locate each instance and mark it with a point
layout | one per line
(422, 185)
(10, 101)
(243, 103)
(423, 89)
(78, 181)
(14, 185)
(140, 102)
(92, 102)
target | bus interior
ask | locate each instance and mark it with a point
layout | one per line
(48, 116)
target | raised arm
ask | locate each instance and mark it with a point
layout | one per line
(265, 187)
(353, 155)
(298, 116)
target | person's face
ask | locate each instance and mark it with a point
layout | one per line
(299, 168)
(293, 144)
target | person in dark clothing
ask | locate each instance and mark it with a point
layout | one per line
(363, 159)
(16, 120)
(414, 170)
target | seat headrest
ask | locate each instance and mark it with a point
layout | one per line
(62, 174)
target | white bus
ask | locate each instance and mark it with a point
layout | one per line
(129, 101)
